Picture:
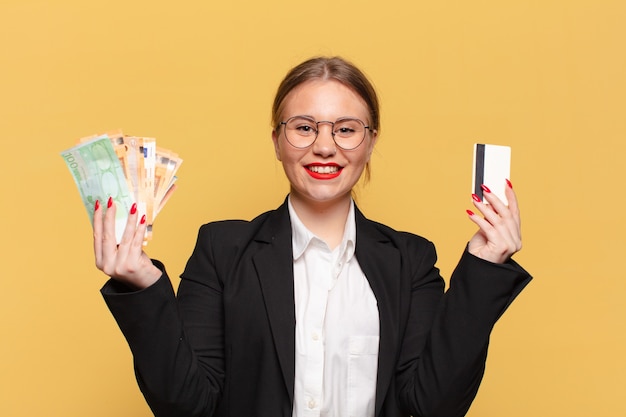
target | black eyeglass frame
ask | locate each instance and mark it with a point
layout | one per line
(332, 130)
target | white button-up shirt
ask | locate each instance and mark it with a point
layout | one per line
(337, 327)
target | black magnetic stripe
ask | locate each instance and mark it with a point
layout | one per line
(480, 170)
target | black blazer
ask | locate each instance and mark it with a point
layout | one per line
(225, 346)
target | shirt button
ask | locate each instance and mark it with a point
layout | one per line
(315, 337)
(312, 404)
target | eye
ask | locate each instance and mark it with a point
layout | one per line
(348, 127)
(344, 130)
(305, 128)
(302, 126)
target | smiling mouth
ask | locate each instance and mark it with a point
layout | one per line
(327, 169)
(324, 172)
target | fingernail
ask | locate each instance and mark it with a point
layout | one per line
(509, 183)
(143, 219)
(476, 198)
(97, 205)
(133, 208)
(470, 212)
(110, 202)
(485, 188)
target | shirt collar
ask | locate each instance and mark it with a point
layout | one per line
(302, 237)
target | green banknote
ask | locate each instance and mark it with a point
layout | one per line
(98, 174)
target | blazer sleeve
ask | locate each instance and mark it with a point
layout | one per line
(439, 370)
(177, 342)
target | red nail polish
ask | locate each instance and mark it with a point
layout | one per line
(97, 205)
(133, 208)
(485, 188)
(110, 202)
(509, 183)
(470, 212)
(143, 219)
(476, 198)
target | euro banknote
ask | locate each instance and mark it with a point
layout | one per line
(129, 169)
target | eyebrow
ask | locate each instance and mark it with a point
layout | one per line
(314, 119)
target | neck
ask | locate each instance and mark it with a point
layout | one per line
(326, 219)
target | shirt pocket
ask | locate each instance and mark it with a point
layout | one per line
(362, 374)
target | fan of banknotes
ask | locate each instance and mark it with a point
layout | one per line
(129, 169)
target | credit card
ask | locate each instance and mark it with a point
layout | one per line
(492, 167)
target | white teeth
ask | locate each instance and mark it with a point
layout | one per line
(324, 169)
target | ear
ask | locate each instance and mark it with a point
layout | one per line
(276, 146)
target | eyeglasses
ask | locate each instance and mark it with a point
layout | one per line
(348, 133)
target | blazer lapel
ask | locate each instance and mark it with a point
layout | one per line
(380, 262)
(274, 267)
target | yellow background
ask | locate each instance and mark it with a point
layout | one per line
(545, 77)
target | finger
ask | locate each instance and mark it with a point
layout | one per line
(506, 215)
(109, 242)
(120, 266)
(498, 243)
(136, 248)
(484, 225)
(139, 271)
(500, 215)
(495, 228)
(502, 226)
(97, 234)
(512, 198)
(490, 209)
(515, 212)
(494, 201)
(132, 241)
(131, 226)
(485, 228)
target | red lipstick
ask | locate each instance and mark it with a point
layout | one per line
(320, 172)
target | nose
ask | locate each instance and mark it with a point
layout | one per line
(325, 145)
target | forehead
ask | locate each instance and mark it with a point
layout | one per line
(324, 99)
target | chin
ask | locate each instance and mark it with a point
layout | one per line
(328, 197)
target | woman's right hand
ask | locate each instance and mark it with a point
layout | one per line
(126, 262)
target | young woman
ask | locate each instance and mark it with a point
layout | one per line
(313, 309)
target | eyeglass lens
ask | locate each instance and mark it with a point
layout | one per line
(301, 132)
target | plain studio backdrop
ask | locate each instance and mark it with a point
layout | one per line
(544, 77)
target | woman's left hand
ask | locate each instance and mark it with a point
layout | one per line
(499, 235)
